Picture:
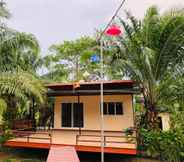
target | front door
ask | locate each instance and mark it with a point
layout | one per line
(72, 115)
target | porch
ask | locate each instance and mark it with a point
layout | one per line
(86, 140)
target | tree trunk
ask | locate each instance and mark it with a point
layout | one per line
(33, 114)
(10, 114)
(152, 118)
(151, 115)
(77, 70)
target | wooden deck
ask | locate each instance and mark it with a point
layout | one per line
(87, 141)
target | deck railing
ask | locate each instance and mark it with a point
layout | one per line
(80, 138)
(28, 135)
(23, 124)
(107, 139)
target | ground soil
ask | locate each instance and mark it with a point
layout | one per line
(27, 155)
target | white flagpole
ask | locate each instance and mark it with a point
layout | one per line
(101, 101)
(102, 79)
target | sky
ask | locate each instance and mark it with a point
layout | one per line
(53, 21)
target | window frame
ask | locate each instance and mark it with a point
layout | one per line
(72, 121)
(106, 112)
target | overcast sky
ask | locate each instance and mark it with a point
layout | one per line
(53, 21)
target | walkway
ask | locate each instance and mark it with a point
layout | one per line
(62, 154)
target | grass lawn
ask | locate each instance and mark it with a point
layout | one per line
(23, 155)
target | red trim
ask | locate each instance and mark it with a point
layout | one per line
(27, 144)
(125, 151)
(107, 150)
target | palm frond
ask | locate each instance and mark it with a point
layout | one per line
(4, 12)
(18, 50)
(152, 50)
(21, 84)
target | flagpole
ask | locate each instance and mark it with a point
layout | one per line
(101, 101)
(102, 79)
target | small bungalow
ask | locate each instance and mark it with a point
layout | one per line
(77, 118)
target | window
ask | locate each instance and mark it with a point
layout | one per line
(72, 114)
(119, 108)
(78, 115)
(66, 114)
(105, 110)
(113, 108)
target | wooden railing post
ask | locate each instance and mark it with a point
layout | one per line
(104, 140)
(50, 135)
(77, 136)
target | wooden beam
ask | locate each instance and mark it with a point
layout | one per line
(89, 92)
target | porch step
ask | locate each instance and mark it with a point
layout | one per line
(62, 154)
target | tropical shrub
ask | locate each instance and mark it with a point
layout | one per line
(129, 131)
(168, 146)
(6, 132)
(5, 137)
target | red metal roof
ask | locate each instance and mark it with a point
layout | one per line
(54, 85)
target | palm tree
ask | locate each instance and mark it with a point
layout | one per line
(151, 51)
(19, 54)
(19, 59)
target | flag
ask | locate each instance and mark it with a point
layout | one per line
(95, 58)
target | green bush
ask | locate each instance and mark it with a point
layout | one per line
(168, 146)
(2, 139)
(7, 160)
(30, 160)
(7, 134)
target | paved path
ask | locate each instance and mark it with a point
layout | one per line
(62, 154)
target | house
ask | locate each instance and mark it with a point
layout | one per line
(77, 118)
